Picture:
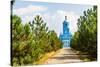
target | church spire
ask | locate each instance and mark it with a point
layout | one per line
(65, 17)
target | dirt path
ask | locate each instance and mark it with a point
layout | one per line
(65, 55)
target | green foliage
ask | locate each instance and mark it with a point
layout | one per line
(31, 41)
(85, 39)
(55, 42)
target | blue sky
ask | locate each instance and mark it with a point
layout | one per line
(52, 13)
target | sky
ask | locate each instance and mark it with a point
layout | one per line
(53, 14)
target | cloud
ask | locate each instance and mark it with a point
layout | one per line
(29, 9)
(28, 18)
(54, 20)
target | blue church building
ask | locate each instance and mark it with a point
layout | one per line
(65, 37)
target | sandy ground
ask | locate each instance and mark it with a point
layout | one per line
(65, 55)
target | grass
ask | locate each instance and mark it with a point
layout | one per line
(45, 57)
(86, 58)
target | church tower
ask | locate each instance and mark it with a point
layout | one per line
(65, 26)
(66, 36)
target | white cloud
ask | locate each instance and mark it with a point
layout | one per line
(29, 9)
(28, 18)
(54, 20)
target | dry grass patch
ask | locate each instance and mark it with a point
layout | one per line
(46, 57)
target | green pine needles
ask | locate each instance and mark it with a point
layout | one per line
(85, 39)
(31, 41)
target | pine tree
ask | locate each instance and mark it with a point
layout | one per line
(86, 40)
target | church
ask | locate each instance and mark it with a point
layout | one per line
(65, 37)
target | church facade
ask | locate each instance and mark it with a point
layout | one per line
(65, 37)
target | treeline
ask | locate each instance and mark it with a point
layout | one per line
(85, 39)
(31, 41)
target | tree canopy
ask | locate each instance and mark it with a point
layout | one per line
(85, 39)
(31, 41)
